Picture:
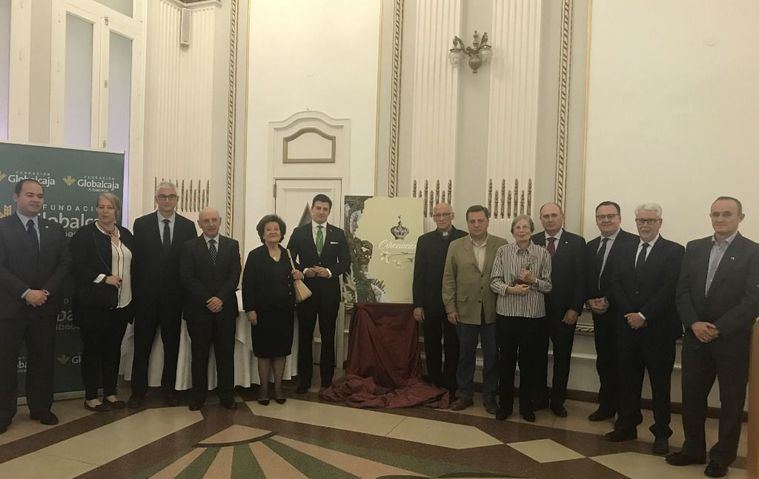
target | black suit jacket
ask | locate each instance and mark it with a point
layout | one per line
(259, 292)
(567, 274)
(653, 293)
(733, 300)
(202, 279)
(429, 264)
(335, 257)
(156, 272)
(593, 290)
(22, 268)
(91, 255)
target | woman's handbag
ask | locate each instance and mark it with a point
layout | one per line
(302, 292)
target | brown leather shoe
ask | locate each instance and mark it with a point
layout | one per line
(461, 403)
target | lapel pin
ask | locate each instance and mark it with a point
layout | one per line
(732, 258)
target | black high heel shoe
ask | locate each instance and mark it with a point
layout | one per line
(99, 408)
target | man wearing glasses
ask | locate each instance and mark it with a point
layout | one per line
(643, 292)
(158, 237)
(439, 334)
(600, 262)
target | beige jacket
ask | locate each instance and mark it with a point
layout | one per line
(466, 289)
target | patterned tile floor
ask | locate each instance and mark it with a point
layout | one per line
(309, 438)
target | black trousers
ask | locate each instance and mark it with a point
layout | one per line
(325, 310)
(217, 330)
(562, 336)
(518, 339)
(727, 360)
(101, 332)
(605, 327)
(38, 332)
(640, 352)
(440, 338)
(168, 315)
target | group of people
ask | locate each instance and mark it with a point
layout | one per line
(644, 292)
(156, 275)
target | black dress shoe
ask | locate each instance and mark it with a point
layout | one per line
(660, 447)
(528, 416)
(117, 404)
(502, 413)
(99, 408)
(195, 406)
(601, 415)
(263, 402)
(301, 389)
(4, 427)
(280, 400)
(559, 411)
(621, 435)
(229, 404)
(135, 401)
(45, 417)
(491, 406)
(680, 459)
(715, 469)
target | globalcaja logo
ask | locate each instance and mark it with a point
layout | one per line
(96, 183)
(42, 178)
(6, 211)
(2, 175)
(69, 180)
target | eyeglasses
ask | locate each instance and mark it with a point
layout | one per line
(441, 215)
(606, 217)
(166, 197)
(647, 221)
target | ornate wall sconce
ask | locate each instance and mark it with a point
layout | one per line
(479, 53)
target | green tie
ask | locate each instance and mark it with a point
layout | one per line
(319, 240)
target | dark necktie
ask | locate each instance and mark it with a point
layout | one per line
(641, 260)
(166, 235)
(212, 250)
(551, 245)
(319, 240)
(600, 258)
(31, 230)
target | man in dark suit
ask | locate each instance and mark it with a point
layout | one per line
(159, 237)
(563, 304)
(600, 262)
(210, 271)
(643, 292)
(34, 263)
(718, 301)
(429, 264)
(321, 251)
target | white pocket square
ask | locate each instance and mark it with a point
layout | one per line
(334, 242)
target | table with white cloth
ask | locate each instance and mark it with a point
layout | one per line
(246, 364)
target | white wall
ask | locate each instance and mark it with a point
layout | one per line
(307, 55)
(673, 110)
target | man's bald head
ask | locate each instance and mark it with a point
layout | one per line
(442, 213)
(552, 218)
(209, 221)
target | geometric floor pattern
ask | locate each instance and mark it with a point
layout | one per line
(308, 438)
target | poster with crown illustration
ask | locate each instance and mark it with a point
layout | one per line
(382, 234)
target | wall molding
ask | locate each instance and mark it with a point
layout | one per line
(562, 124)
(395, 98)
(231, 116)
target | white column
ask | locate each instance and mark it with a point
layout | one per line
(435, 102)
(20, 71)
(513, 115)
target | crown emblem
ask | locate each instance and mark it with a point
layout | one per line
(399, 231)
(63, 359)
(69, 180)
(2, 176)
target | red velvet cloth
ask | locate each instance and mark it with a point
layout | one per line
(384, 366)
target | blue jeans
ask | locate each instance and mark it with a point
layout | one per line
(468, 336)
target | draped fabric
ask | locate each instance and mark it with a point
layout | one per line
(384, 368)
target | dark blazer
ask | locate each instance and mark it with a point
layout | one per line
(22, 268)
(259, 293)
(567, 273)
(156, 273)
(733, 300)
(429, 264)
(202, 279)
(91, 254)
(335, 257)
(592, 289)
(653, 293)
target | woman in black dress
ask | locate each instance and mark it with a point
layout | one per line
(269, 302)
